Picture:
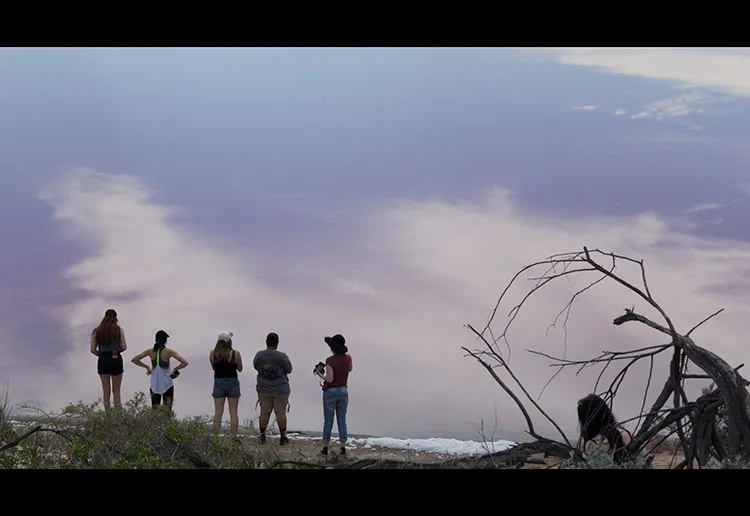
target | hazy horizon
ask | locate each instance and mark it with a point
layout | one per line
(385, 194)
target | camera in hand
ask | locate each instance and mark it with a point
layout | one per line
(174, 374)
(320, 369)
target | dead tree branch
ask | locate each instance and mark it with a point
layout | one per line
(693, 421)
(523, 389)
(18, 440)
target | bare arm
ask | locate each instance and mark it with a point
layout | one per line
(328, 377)
(123, 342)
(287, 365)
(351, 364)
(238, 357)
(182, 362)
(92, 341)
(137, 360)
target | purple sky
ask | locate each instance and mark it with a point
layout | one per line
(387, 194)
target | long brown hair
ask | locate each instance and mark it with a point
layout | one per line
(223, 350)
(108, 328)
(596, 418)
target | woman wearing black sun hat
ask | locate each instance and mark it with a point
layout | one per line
(335, 375)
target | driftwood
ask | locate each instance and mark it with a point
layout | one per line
(514, 457)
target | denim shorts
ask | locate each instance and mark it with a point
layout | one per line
(226, 388)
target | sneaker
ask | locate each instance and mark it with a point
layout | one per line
(324, 451)
(262, 438)
(283, 440)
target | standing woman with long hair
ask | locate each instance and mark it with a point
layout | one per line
(226, 363)
(162, 374)
(108, 343)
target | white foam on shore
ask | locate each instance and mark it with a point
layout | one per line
(440, 445)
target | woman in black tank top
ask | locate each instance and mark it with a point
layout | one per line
(226, 363)
(226, 368)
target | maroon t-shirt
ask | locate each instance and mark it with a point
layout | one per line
(340, 365)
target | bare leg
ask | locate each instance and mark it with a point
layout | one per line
(234, 420)
(106, 390)
(116, 384)
(263, 420)
(218, 414)
(281, 420)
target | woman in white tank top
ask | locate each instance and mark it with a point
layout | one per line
(162, 374)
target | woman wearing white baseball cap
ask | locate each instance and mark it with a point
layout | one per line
(226, 363)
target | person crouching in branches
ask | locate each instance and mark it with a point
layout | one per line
(162, 375)
(599, 426)
(108, 343)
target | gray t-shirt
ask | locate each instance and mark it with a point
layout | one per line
(273, 368)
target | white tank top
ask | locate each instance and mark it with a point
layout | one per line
(160, 378)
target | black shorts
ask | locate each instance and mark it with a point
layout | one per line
(157, 398)
(108, 365)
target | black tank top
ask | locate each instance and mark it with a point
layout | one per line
(111, 345)
(224, 369)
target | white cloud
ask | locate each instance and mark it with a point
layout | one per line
(721, 70)
(705, 207)
(691, 103)
(427, 267)
(743, 196)
(586, 108)
(619, 112)
(726, 73)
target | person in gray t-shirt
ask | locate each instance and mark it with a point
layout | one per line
(273, 368)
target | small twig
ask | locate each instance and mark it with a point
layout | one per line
(645, 392)
(717, 312)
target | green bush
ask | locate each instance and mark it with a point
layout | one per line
(132, 437)
(736, 463)
(600, 459)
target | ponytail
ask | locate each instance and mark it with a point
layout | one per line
(158, 346)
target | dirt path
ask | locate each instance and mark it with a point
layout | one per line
(307, 449)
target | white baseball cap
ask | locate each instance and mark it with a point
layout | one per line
(226, 336)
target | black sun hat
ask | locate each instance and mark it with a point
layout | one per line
(337, 343)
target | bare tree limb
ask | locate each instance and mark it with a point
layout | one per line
(18, 440)
(696, 418)
(523, 389)
(691, 330)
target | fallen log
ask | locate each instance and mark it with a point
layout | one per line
(514, 457)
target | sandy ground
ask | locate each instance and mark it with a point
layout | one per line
(662, 460)
(307, 449)
(666, 456)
